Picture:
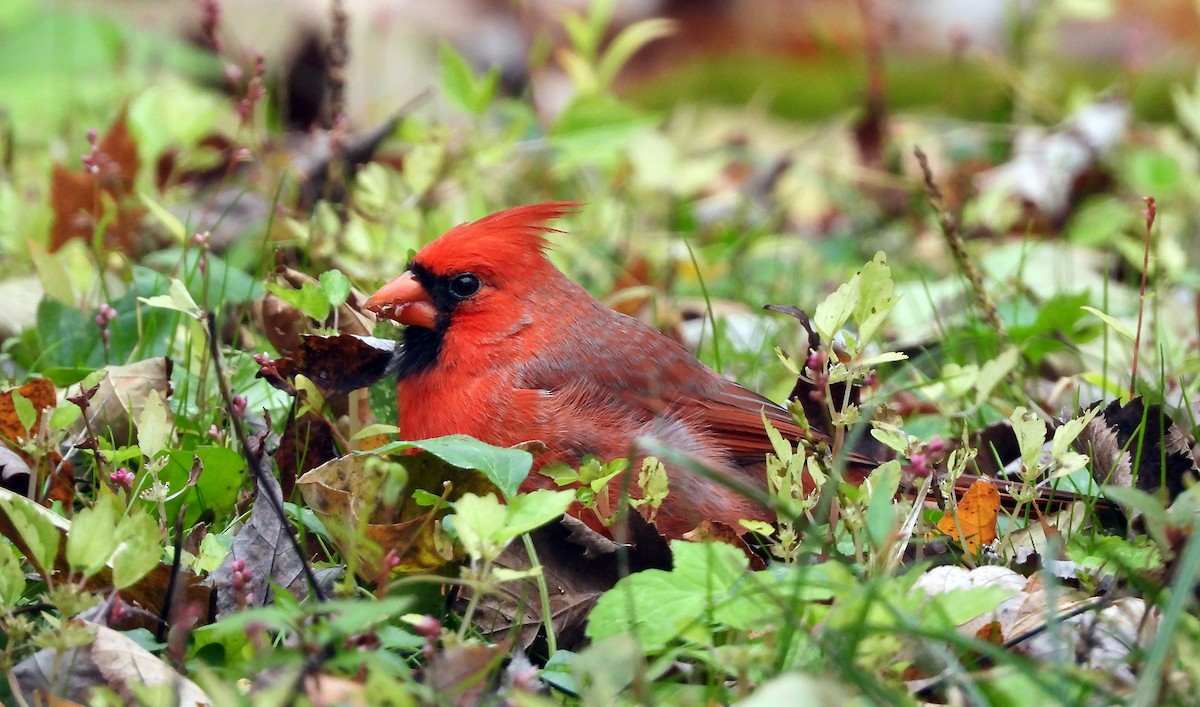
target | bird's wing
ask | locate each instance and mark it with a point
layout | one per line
(648, 374)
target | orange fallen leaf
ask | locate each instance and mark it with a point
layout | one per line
(973, 521)
(39, 392)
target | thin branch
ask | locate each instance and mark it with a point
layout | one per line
(954, 240)
(254, 458)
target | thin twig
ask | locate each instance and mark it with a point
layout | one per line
(1150, 212)
(954, 240)
(254, 459)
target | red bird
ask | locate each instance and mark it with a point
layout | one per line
(500, 345)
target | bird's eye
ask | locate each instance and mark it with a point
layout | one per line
(464, 285)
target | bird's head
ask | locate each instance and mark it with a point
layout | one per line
(474, 271)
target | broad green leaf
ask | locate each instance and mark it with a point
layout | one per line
(92, 537)
(875, 298)
(834, 311)
(993, 371)
(466, 90)
(1031, 435)
(216, 490)
(709, 580)
(506, 467)
(528, 511)
(39, 529)
(309, 299)
(1066, 433)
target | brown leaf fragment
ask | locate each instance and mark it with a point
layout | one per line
(80, 198)
(118, 403)
(460, 674)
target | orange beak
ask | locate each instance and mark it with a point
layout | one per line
(404, 300)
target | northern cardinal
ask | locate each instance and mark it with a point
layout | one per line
(501, 345)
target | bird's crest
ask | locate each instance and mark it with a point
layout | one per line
(513, 236)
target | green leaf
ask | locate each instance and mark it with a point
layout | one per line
(152, 430)
(709, 580)
(92, 537)
(138, 551)
(179, 300)
(39, 529)
(881, 509)
(627, 43)
(1112, 322)
(834, 311)
(216, 490)
(335, 287)
(466, 90)
(875, 299)
(12, 577)
(1031, 435)
(26, 415)
(505, 467)
(479, 523)
(532, 510)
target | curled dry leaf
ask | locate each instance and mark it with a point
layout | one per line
(111, 660)
(14, 471)
(369, 514)
(337, 364)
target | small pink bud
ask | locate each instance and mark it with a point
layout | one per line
(122, 477)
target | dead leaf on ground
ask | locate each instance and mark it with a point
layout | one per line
(261, 545)
(461, 674)
(337, 364)
(355, 491)
(111, 660)
(307, 442)
(973, 520)
(121, 398)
